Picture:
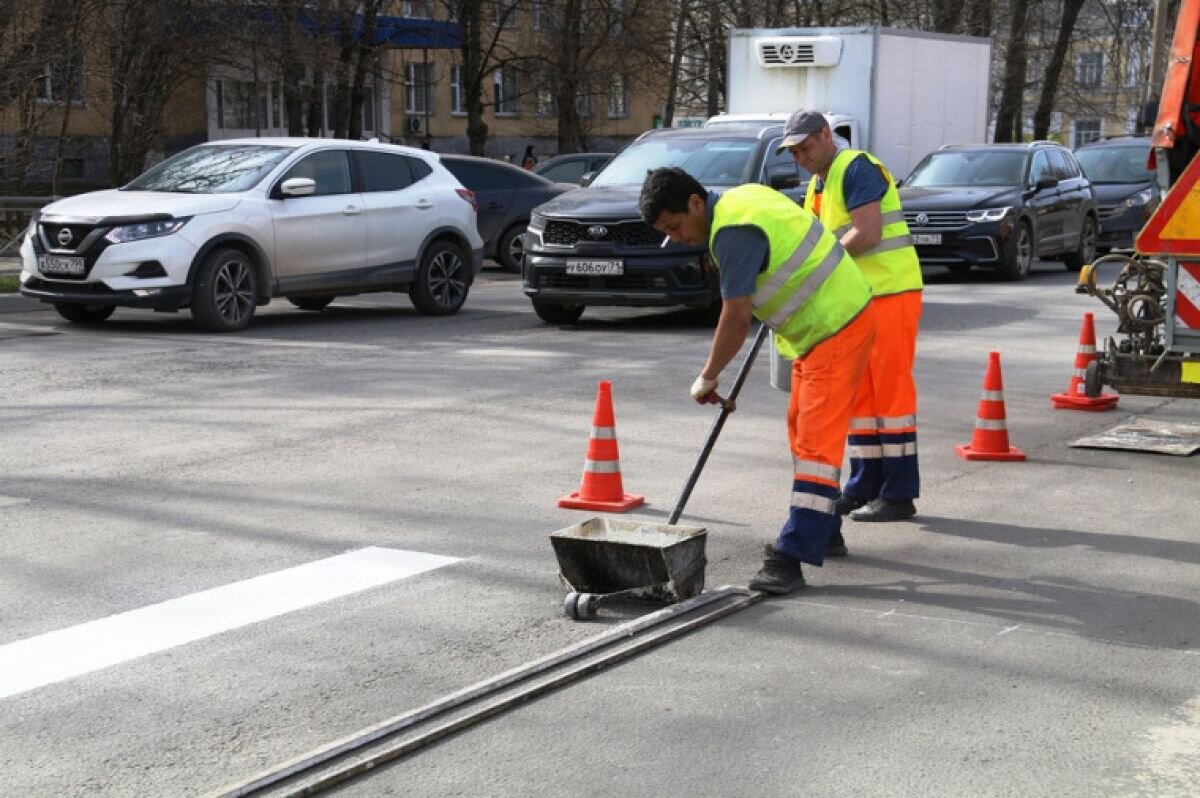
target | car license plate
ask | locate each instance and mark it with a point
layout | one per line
(602, 267)
(52, 264)
(927, 238)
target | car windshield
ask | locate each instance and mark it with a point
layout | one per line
(212, 169)
(969, 168)
(712, 162)
(1115, 164)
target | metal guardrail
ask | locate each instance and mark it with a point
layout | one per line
(15, 213)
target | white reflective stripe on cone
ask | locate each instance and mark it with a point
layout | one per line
(993, 396)
(602, 466)
(604, 433)
(988, 423)
(1087, 349)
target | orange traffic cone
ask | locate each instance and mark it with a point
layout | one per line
(1075, 398)
(990, 441)
(601, 488)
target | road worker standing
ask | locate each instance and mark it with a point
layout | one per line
(855, 197)
(780, 265)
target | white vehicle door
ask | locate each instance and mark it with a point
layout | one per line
(325, 232)
(398, 206)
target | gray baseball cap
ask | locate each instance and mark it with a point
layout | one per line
(800, 126)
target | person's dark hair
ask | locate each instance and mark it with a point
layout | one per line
(667, 189)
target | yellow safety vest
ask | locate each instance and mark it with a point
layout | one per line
(811, 288)
(892, 265)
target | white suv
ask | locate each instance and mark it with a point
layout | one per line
(226, 226)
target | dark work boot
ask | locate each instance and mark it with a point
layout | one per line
(836, 547)
(885, 510)
(779, 574)
(847, 504)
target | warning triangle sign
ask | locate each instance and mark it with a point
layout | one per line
(1174, 229)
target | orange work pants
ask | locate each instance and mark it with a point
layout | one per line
(824, 384)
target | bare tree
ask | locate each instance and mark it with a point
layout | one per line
(1009, 117)
(1054, 68)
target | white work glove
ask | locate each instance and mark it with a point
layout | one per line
(702, 388)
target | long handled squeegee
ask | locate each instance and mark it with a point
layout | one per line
(727, 407)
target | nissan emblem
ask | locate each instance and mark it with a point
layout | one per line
(65, 236)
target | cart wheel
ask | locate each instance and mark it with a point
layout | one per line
(571, 605)
(588, 605)
(1093, 380)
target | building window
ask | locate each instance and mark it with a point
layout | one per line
(52, 86)
(543, 15)
(1084, 131)
(618, 97)
(1089, 69)
(504, 13)
(583, 98)
(418, 88)
(543, 98)
(419, 9)
(506, 95)
(237, 107)
(458, 103)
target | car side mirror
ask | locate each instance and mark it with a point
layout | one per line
(587, 178)
(1045, 182)
(298, 187)
(782, 178)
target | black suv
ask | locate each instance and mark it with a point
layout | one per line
(1000, 206)
(1126, 191)
(591, 247)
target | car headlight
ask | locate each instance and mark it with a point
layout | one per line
(988, 214)
(1139, 199)
(136, 232)
(537, 222)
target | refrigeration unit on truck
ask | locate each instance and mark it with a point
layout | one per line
(898, 94)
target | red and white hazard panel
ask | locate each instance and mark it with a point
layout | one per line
(1187, 296)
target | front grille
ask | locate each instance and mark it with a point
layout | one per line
(571, 282)
(66, 237)
(1109, 211)
(634, 233)
(936, 220)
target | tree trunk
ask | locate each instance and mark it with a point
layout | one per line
(716, 51)
(1045, 106)
(676, 63)
(1008, 117)
(946, 14)
(470, 20)
(570, 125)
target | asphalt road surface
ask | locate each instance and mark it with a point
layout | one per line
(222, 551)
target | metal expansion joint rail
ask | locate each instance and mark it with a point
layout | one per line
(404, 734)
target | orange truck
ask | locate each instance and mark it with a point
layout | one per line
(1156, 295)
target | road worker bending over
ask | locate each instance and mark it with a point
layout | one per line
(855, 197)
(780, 265)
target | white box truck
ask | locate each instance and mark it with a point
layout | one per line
(898, 94)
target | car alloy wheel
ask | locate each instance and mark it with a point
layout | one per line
(1020, 256)
(225, 292)
(442, 280)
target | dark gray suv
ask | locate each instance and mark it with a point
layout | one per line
(591, 247)
(1126, 191)
(999, 206)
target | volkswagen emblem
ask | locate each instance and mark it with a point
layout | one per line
(65, 236)
(922, 219)
(598, 231)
